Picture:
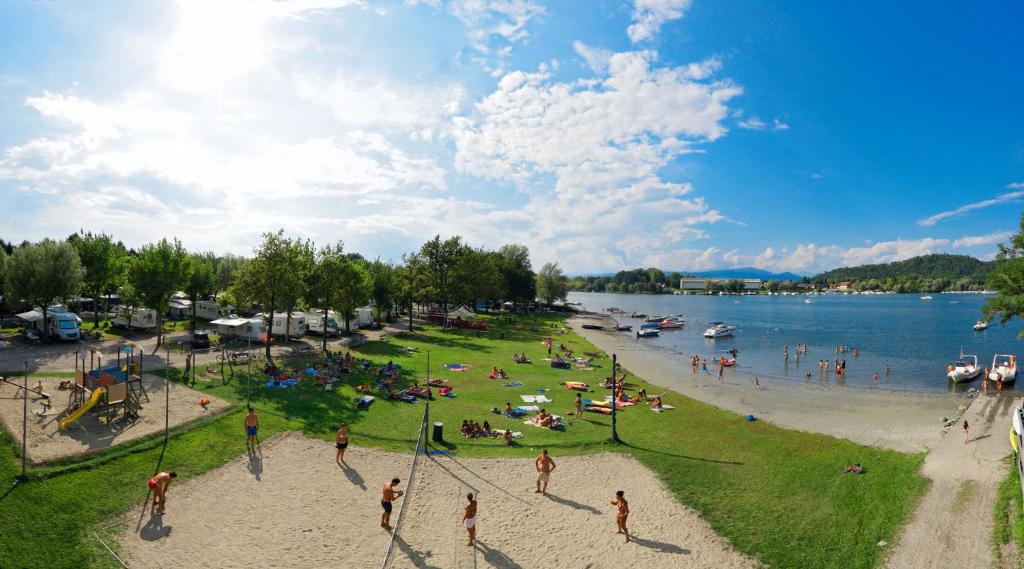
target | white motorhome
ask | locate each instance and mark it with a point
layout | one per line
(207, 310)
(364, 316)
(244, 328)
(135, 318)
(62, 325)
(298, 324)
(315, 323)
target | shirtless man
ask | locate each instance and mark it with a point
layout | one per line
(469, 518)
(158, 484)
(622, 513)
(545, 466)
(579, 405)
(389, 495)
(252, 424)
(341, 443)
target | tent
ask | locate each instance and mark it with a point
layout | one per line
(462, 312)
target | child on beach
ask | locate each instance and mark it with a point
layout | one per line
(621, 513)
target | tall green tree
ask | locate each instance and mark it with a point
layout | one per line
(330, 268)
(201, 281)
(353, 290)
(440, 260)
(383, 287)
(552, 284)
(259, 280)
(43, 273)
(299, 258)
(517, 272)
(412, 282)
(227, 269)
(99, 255)
(158, 271)
(1007, 279)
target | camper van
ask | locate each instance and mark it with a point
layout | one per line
(135, 318)
(207, 310)
(62, 325)
(315, 323)
(364, 316)
(244, 328)
(298, 324)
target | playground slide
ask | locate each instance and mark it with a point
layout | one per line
(96, 394)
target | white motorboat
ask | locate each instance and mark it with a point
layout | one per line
(718, 330)
(655, 318)
(980, 325)
(808, 301)
(647, 333)
(926, 297)
(1004, 367)
(966, 368)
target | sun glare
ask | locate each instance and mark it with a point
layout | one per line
(214, 42)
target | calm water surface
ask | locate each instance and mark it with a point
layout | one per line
(916, 338)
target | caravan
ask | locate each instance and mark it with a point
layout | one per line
(364, 316)
(298, 324)
(315, 323)
(62, 325)
(135, 318)
(207, 310)
(244, 328)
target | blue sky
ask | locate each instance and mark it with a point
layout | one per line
(604, 134)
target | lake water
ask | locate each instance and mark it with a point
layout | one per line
(915, 337)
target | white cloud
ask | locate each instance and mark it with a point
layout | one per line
(753, 123)
(1002, 198)
(809, 257)
(596, 58)
(649, 15)
(779, 125)
(370, 102)
(977, 240)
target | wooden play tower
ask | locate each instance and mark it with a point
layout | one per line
(107, 391)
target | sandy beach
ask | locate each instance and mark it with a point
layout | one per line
(900, 420)
(301, 510)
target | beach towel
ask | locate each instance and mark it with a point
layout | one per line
(444, 390)
(542, 390)
(456, 367)
(283, 384)
(515, 434)
(311, 371)
(593, 409)
(527, 408)
(542, 399)
(577, 385)
(664, 406)
(450, 394)
(514, 384)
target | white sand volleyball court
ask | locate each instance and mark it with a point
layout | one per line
(295, 508)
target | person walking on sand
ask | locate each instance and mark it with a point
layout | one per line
(389, 495)
(252, 425)
(757, 383)
(579, 405)
(341, 443)
(621, 513)
(159, 484)
(967, 431)
(721, 373)
(545, 466)
(469, 518)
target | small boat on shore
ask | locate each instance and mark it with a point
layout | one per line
(1004, 367)
(647, 333)
(670, 324)
(593, 327)
(980, 325)
(623, 327)
(655, 318)
(966, 368)
(638, 315)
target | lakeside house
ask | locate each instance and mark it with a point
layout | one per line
(698, 283)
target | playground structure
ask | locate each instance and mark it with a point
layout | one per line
(106, 391)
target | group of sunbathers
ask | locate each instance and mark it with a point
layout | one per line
(497, 374)
(520, 358)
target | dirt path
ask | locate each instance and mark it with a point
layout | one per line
(952, 526)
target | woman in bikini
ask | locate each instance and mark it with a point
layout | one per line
(341, 443)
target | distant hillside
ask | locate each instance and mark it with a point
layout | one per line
(939, 266)
(747, 273)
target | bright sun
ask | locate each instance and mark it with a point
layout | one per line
(213, 43)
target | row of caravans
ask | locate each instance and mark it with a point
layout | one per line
(301, 323)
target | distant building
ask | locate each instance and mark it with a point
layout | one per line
(697, 283)
(841, 286)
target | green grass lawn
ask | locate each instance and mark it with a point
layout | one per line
(776, 494)
(1009, 513)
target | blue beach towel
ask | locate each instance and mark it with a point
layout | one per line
(514, 384)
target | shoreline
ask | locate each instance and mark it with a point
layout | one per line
(906, 421)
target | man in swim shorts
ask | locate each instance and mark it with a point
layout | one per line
(389, 495)
(158, 485)
(544, 466)
(252, 424)
(621, 513)
(341, 443)
(469, 518)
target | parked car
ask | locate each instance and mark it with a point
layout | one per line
(200, 340)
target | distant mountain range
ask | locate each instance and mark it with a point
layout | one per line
(747, 273)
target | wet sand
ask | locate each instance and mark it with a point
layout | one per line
(901, 420)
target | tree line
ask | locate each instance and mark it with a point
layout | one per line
(925, 273)
(283, 274)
